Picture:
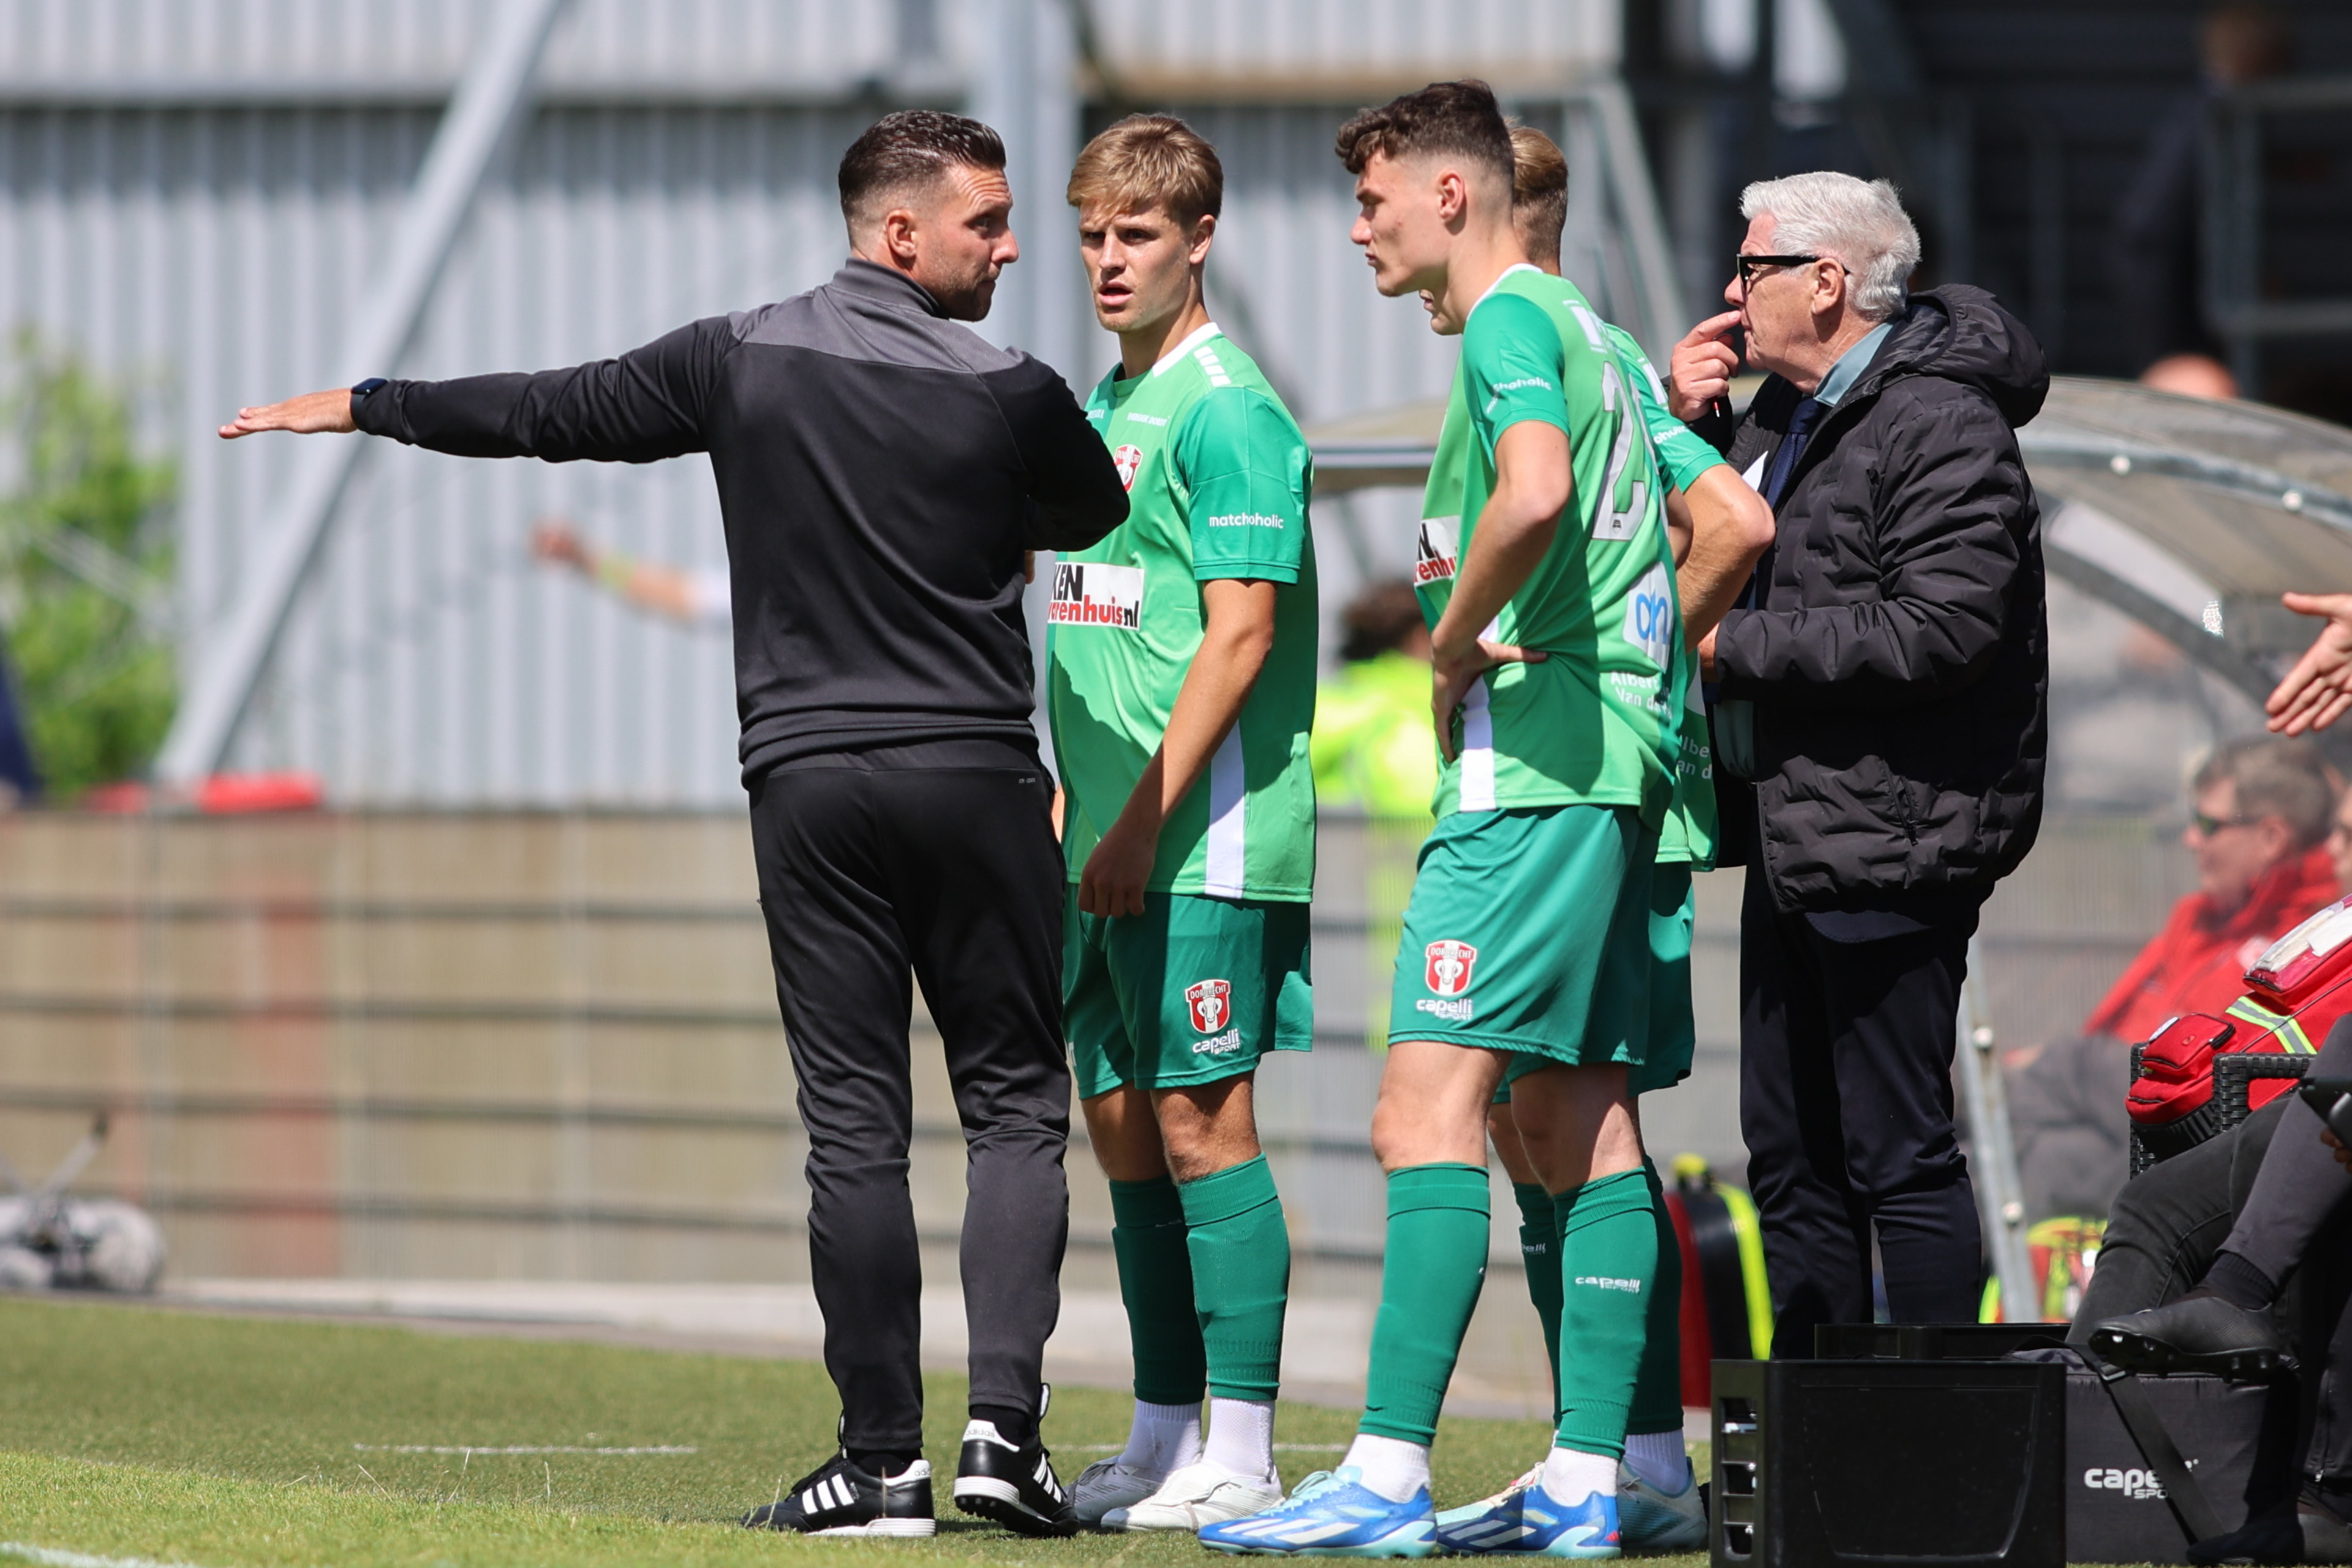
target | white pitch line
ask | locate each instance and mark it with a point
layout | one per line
(469, 1449)
(51, 1557)
(1278, 1447)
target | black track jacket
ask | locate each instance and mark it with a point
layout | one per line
(881, 469)
(1899, 664)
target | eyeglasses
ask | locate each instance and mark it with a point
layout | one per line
(2207, 827)
(1748, 264)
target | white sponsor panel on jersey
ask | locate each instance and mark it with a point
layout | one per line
(1090, 594)
(1434, 553)
(1650, 616)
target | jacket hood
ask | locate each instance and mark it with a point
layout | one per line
(1962, 333)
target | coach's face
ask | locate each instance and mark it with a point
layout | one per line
(1787, 309)
(1407, 215)
(957, 241)
(1141, 266)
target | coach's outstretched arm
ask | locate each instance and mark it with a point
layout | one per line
(643, 406)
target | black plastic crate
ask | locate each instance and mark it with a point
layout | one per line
(1823, 1463)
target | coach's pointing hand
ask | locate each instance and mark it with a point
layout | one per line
(313, 413)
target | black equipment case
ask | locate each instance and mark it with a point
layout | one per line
(1823, 1463)
(2205, 1430)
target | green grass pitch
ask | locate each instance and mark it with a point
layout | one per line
(247, 1443)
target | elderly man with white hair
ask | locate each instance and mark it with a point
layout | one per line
(1879, 699)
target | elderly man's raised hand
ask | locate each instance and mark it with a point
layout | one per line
(313, 413)
(1702, 366)
(2318, 690)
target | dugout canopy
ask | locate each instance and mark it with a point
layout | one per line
(2190, 516)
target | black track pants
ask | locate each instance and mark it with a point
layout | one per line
(873, 868)
(1845, 1102)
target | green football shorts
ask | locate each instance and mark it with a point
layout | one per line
(1192, 990)
(1527, 931)
(1674, 1033)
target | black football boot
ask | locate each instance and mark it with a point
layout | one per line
(1014, 1485)
(839, 1499)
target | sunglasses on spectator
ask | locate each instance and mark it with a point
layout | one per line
(2207, 826)
(1748, 264)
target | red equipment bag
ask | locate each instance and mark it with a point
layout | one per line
(2297, 991)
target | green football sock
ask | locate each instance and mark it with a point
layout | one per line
(1241, 1275)
(1539, 1246)
(1608, 1260)
(1658, 1386)
(1155, 1279)
(1439, 1216)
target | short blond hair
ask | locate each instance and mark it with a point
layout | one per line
(1539, 193)
(1150, 161)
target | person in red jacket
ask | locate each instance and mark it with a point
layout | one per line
(2259, 833)
(2259, 829)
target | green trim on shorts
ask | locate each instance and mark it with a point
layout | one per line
(1528, 932)
(1194, 990)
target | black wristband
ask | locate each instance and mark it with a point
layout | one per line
(363, 388)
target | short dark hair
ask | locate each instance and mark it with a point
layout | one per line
(1378, 619)
(1460, 118)
(1539, 193)
(904, 152)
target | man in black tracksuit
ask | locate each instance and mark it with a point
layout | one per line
(1880, 706)
(882, 473)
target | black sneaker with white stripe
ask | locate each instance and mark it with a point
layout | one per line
(1016, 1487)
(839, 1499)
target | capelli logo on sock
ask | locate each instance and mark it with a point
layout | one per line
(1605, 1282)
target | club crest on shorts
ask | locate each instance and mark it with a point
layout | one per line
(1128, 461)
(1212, 1001)
(1449, 966)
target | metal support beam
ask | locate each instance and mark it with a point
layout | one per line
(1663, 314)
(1992, 1156)
(495, 90)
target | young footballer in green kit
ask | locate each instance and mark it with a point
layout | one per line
(1550, 580)
(1718, 527)
(1181, 670)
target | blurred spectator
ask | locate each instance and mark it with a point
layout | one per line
(20, 781)
(2156, 264)
(2261, 834)
(1372, 747)
(697, 598)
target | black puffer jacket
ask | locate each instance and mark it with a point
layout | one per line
(1898, 665)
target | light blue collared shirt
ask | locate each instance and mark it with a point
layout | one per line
(1849, 366)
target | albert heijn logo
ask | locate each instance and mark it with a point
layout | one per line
(1212, 1001)
(1128, 461)
(1450, 963)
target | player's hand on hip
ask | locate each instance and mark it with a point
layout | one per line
(2318, 690)
(1112, 883)
(313, 413)
(1451, 676)
(1701, 367)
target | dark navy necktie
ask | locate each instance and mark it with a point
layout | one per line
(1783, 464)
(1802, 420)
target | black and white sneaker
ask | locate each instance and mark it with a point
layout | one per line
(839, 1499)
(1016, 1487)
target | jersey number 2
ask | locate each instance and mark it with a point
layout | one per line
(1608, 522)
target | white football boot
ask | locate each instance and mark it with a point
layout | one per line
(1198, 1494)
(1108, 1484)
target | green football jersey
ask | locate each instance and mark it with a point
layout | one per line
(1594, 724)
(1689, 836)
(1218, 477)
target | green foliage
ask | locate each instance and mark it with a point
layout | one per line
(85, 572)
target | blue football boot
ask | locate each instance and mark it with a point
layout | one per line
(1332, 1514)
(1526, 1521)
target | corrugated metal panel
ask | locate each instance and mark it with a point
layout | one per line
(1245, 41)
(216, 252)
(269, 45)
